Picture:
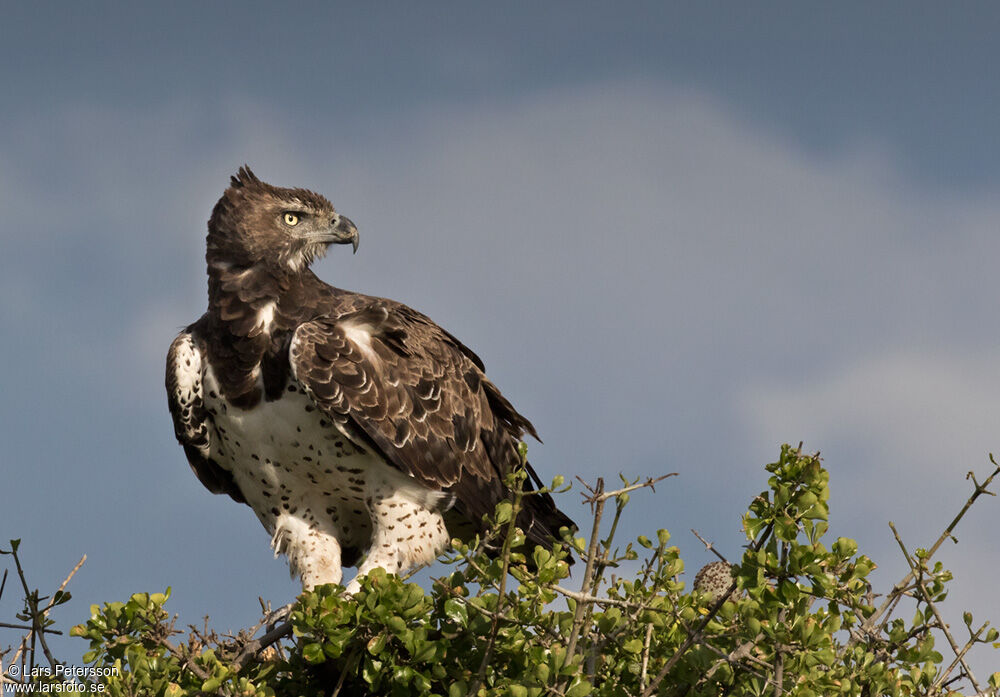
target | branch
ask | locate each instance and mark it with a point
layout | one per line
(598, 494)
(645, 656)
(980, 489)
(960, 656)
(502, 590)
(37, 626)
(37, 618)
(709, 546)
(272, 636)
(597, 500)
(7, 625)
(917, 572)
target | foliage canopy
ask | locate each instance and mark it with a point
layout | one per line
(800, 617)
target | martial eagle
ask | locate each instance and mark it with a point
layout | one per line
(358, 430)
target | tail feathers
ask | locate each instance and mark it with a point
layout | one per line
(541, 520)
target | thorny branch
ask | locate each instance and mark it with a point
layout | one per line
(36, 614)
(709, 546)
(917, 569)
(879, 618)
(597, 498)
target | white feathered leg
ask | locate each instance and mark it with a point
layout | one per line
(313, 555)
(406, 535)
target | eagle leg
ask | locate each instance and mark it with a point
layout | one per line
(313, 555)
(407, 535)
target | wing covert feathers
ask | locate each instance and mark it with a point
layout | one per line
(423, 400)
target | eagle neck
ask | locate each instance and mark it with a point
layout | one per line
(248, 301)
(252, 312)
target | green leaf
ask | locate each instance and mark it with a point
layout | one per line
(788, 591)
(371, 670)
(377, 643)
(845, 547)
(505, 511)
(211, 685)
(312, 653)
(456, 611)
(633, 645)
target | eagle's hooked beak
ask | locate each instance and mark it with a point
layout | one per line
(345, 232)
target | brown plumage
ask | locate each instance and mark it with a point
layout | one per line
(354, 426)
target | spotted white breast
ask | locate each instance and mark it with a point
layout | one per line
(323, 495)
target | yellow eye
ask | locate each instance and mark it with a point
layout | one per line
(291, 219)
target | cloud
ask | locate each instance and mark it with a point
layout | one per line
(922, 416)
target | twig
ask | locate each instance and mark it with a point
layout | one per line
(185, 658)
(959, 656)
(38, 627)
(586, 598)
(779, 673)
(602, 563)
(979, 490)
(257, 645)
(502, 590)
(917, 572)
(22, 627)
(689, 642)
(37, 618)
(62, 586)
(645, 656)
(597, 500)
(343, 674)
(601, 495)
(709, 546)
(741, 652)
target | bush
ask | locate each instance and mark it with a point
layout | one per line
(795, 616)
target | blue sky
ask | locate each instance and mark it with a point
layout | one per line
(678, 235)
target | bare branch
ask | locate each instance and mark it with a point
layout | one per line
(959, 657)
(598, 494)
(979, 490)
(709, 546)
(588, 574)
(645, 656)
(917, 570)
(272, 636)
(257, 645)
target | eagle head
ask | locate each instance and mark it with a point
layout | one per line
(255, 223)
